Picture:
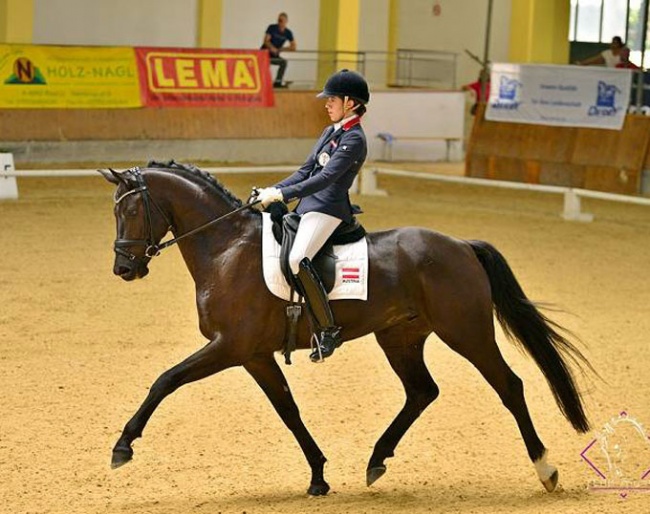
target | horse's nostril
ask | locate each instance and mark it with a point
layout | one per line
(121, 270)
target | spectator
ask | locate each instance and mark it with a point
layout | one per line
(477, 88)
(276, 36)
(616, 56)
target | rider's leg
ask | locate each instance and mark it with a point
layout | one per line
(314, 230)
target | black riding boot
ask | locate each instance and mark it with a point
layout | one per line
(328, 334)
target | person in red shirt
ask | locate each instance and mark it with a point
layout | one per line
(477, 88)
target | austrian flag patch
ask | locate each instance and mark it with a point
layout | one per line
(350, 275)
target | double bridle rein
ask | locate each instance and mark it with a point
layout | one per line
(153, 249)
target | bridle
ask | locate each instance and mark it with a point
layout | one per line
(151, 248)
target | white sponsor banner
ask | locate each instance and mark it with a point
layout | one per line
(572, 96)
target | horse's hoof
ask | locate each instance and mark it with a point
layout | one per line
(318, 489)
(374, 474)
(551, 482)
(121, 456)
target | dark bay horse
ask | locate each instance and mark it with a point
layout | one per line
(419, 282)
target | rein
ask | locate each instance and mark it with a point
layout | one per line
(151, 248)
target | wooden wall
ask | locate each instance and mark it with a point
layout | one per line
(297, 114)
(603, 160)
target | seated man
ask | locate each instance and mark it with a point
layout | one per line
(276, 36)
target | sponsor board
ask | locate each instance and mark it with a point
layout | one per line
(559, 95)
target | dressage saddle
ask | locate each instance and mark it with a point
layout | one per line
(285, 226)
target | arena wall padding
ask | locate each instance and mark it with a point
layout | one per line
(296, 114)
(603, 160)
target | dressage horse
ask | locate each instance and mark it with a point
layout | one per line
(420, 282)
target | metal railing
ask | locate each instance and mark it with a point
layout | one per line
(308, 69)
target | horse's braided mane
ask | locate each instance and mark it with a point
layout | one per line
(196, 172)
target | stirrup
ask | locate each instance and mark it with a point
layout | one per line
(326, 342)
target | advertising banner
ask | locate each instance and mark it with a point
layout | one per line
(40, 77)
(204, 77)
(572, 96)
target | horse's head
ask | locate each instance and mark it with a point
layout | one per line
(141, 223)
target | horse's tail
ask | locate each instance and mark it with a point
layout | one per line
(524, 324)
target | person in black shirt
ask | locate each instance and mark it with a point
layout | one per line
(277, 34)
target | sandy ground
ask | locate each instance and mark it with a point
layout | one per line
(79, 349)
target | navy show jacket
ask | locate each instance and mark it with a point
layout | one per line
(322, 183)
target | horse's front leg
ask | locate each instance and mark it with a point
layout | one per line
(212, 358)
(266, 372)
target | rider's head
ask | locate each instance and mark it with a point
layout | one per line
(351, 90)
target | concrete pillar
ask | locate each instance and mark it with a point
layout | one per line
(539, 31)
(16, 21)
(338, 32)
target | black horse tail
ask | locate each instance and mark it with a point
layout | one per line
(526, 326)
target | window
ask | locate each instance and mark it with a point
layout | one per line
(598, 21)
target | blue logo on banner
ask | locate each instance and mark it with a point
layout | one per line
(605, 100)
(508, 94)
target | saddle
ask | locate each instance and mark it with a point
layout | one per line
(285, 226)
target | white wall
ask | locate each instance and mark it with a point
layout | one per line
(245, 21)
(116, 22)
(373, 25)
(461, 25)
(174, 23)
(426, 114)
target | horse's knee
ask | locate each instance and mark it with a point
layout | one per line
(425, 397)
(164, 384)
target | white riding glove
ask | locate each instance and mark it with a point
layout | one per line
(268, 195)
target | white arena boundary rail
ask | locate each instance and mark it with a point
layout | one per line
(366, 186)
(572, 196)
(8, 175)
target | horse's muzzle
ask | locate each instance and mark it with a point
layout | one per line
(130, 270)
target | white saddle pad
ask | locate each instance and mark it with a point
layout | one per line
(351, 281)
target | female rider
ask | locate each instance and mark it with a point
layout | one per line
(322, 184)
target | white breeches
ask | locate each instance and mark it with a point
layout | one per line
(314, 229)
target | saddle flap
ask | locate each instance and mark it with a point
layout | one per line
(350, 267)
(324, 262)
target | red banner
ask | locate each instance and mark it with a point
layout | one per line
(204, 77)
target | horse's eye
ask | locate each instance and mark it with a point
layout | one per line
(131, 213)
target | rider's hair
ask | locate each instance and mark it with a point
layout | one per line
(360, 107)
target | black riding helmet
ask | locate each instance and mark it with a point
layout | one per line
(347, 83)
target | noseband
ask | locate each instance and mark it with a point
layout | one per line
(153, 249)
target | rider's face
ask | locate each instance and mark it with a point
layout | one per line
(336, 109)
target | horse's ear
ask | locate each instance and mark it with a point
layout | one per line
(112, 176)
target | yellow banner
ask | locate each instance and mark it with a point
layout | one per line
(45, 77)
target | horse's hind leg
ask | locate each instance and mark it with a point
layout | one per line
(404, 352)
(485, 355)
(212, 358)
(266, 372)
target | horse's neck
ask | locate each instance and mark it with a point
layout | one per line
(217, 244)
(192, 206)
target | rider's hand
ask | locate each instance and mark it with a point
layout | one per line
(269, 195)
